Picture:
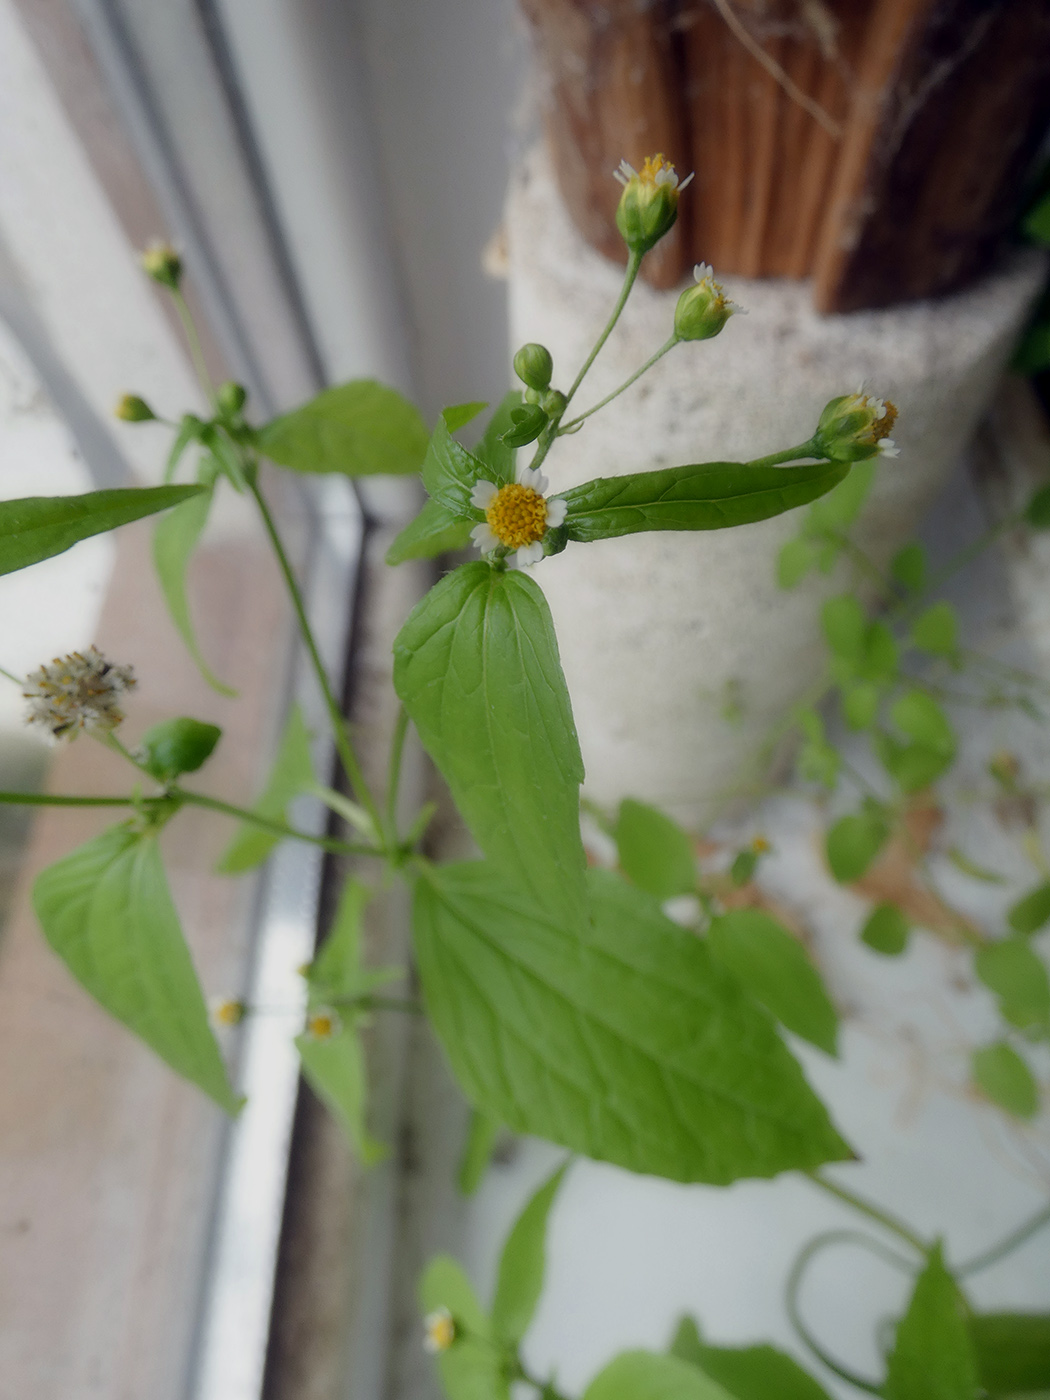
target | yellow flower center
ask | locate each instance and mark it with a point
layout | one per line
(884, 425)
(517, 515)
(322, 1025)
(652, 166)
(441, 1330)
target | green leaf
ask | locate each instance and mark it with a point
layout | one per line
(174, 541)
(853, 842)
(886, 930)
(359, 429)
(1032, 911)
(908, 567)
(334, 1067)
(482, 1135)
(1036, 223)
(459, 414)
(492, 451)
(107, 912)
(932, 1358)
(1006, 1079)
(1015, 973)
(1013, 1351)
(654, 852)
(471, 1368)
(937, 630)
(860, 704)
(775, 969)
(794, 562)
(522, 1264)
(818, 762)
(291, 774)
(337, 972)
(434, 531)
(743, 867)
(648, 1375)
(709, 496)
(38, 527)
(190, 429)
(625, 1041)
(932, 752)
(748, 1373)
(177, 746)
(845, 627)
(1037, 511)
(477, 668)
(450, 471)
(839, 509)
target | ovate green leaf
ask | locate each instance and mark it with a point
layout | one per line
(1032, 911)
(933, 1358)
(886, 930)
(748, 1373)
(37, 527)
(177, 746)
(625, 1041)
(450, 471)
(1006, 1079)
(357, 429)
(337, 972)
(292, 773)
(776, 970)
(648, 1375)
(845, 628)
(853, 842)
(937, 630)
(522, 1265)
(107, 913)
(932, 750)
(1013, 1352)
(477, 668)
(434, 531)
(1015, 973)
(491, 451)
(334, 1067)
(654, 852)
(174, 541)
(860, 704)
(710, 496)
(909, 567)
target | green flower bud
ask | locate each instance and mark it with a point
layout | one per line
(553, 403)
(161, 262)
(649, 203)
(526, 425)
(704, 309)
(533, 365)
(855, 427)
(231, 397)
(131, 409)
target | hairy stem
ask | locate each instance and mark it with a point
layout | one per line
(634, 262)
(327, 843)
(669, 344)
(339, 730)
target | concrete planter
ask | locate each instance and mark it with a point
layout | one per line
(657, 632)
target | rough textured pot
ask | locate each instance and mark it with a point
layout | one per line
(658, 631)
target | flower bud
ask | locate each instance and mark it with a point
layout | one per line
(231, 397)
(526, 425)
(649, 203)
(553, 403)
(161, 262)
(131, 409)
(855, 427)
(533, 365)
(704, 309)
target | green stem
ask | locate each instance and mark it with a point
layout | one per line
(634, 262)
(49, 799)
(18, 680)
(1012, 1241)
(575, 422)
(863, 562)
(393, 781)
(327, 843)
(789, 454)
(794, 1311)
(873, 1212)
(193, 340)
(342, 739)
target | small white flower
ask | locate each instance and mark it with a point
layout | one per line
(655, 171)
(517, 516)
(439, 1331)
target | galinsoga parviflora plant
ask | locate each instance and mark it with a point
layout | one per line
(568, 1005)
